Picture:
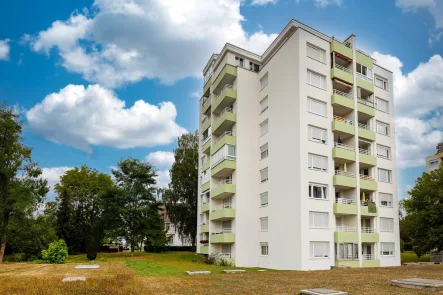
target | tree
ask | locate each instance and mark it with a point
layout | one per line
(424, 209)
(81, 208)
(181, 196)
(136, 181)
(21, 187)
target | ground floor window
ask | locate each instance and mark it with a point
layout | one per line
(264, 249)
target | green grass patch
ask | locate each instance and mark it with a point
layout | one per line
(409, 256)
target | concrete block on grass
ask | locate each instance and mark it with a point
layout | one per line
(87, 266)
(419, 284)
(198, 272)
(234, 271)
(74, 279)
(322, 291)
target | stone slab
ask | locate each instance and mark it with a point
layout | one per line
(87, 266)
(417, 283)
(74, 279)
(426, 263)
(198, 272)
(234, 271)
(410, 263)
(322, 291)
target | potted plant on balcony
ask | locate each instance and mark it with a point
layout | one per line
(372, 208)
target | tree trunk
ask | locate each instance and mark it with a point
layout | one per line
(2, 251)
(132, 252)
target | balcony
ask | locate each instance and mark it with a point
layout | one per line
(225, 122)
(224, 99)
(364, 59)
(226, 138)
(206, 165)
(367, 183)
(368, 208)
(342, 49)
(226, 77)
(370, 261)
(344, 126)
(224, 167)
(206, 105)
(366, 158)
(344, 179)
(224, 236)
(207, 87)
(206, 145)
(365, 82)
(205, 124)
(342, 101)
(204, 228)
(343, 153)
(204, 207)
(222, 213)
(365, 132)
(346, 234)
(225, 189)
(343, 74)
(204, 249)
(346, 260)
(345, 207)
(368, 235)
(366, 107)
(206, 185)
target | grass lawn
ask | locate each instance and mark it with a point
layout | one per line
(148, 273)
(409, 256)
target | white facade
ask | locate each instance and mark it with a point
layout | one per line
(434, 161)
(287, 151)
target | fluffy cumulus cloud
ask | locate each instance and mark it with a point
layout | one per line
(435, 8)
(161, 159)
(163, 178)
(82, 117)
(263, 2)
(53, 174)
(418, 107)
(4, 49)
(127, 40)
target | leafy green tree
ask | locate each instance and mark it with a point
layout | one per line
(80, 215)
(424, 209)
(180, 197)
(21, 187)
(138, 206)
(57, 252)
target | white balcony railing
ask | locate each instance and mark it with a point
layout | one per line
(226, 110)
(363, 126)
(223, 206)
(346, 229)
(343, 173)
(341, 93)
(364, 151)
(226, 255)
(366, 177)
(346, 257)
(205, 100)
(345, 201)
(344, 120)
(367, 230)
(224, 181)
(344, 146)
(365, 102)
(364, 77)
(223, 91)
(369, 257)
(343, 68)
(228, 133)
(205, 140)
(223, 231)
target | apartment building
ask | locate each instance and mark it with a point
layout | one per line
(433, 162)
(174, 238)
(297, 156)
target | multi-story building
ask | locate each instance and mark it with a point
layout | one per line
(433, 162)
(298, 155)
(174, 238)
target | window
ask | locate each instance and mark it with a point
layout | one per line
(264, 175)
(317, 107)
(316, 80)
(319, 249)
(264, 81)
(387, 249)
(318, 191)
(254, 67)
(383, 152)
(317, 134)
(264, 128)
(264, 104)
(385, 200)
(264, 199)
(208, 74)
(386, 224)
(382, 105)
(384, 175)
(264, 249)
(316, 162)
(239, 61)
(316, 53)
(365, 71)
(318, 220)
(225, 152)
(205, 176)
(383, 128)
(381, 83)
(433, 163)
(264, 224)
(264, 151)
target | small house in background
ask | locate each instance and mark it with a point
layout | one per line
(174, 239)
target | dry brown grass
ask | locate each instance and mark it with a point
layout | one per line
(116, 278)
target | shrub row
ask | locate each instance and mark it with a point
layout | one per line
(169, 248)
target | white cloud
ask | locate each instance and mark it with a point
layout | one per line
(163, 178)
(263, 2)
(53, 175)
(161, 159)
(418, 108)
(127, 40)
(5, 48)
(83, 117)
(325, 3)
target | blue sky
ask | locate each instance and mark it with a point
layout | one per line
(97, 81)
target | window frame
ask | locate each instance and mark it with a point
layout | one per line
(388, 152)
(309, 80)
(311, 138)
(264, 245)
(253, 65)
(265, 122)
(262, 219)
(389, 175)
(322, 103)
(433, 163)
(261, 175)
(265, 99)
(239, 61)
(391, 223)
(383, 80)
(319, 49)
(264, 152)
(391, 201)
(392, 246)
(261, 199)
(322, 186)
(312, 250)
(387, 127)
(311, 163)
(265, 76)
(384, 100)
(312, 215)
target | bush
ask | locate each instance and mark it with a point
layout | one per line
(56, 253)
(212, 258)
(19, 257)
(225, 262)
